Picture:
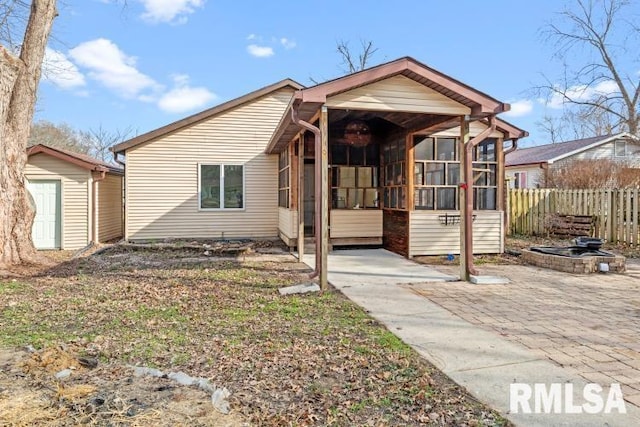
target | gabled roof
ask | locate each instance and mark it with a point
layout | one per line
(478, 101)
(78, 159)
(549, 153)
(307, 101)
(203, 115)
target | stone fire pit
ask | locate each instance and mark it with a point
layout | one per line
(575, 264)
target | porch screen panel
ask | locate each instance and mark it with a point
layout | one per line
(284, 179)
(485, 169)
(436, 173)
(394, 174)
(354, 176)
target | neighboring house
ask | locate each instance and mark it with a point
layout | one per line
(390, 135)
(525, 167)
(78, 199)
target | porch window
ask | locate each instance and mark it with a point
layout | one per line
(284, 173)
(221, 186)
(354, 176)
(436, 173)
(485, 167)
(394, 174)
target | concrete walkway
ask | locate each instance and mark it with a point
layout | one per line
(480, 360)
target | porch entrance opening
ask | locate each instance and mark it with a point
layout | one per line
(309, 198)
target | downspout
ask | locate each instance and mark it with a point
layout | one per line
(468, 194)
(514, 146)
(94, 206)
(318, 186)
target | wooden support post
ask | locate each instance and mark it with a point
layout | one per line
(324, 234)
(468, 180)
(300, 196)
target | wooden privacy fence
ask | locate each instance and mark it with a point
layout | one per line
(615, 212)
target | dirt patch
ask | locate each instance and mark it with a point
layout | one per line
(31, 394)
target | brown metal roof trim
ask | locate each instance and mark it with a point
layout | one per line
(172, 127)
(78, 159)
(510, 131)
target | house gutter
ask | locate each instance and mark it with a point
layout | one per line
(514, 146)
(468, 195)
(94, 205)
(318, 186)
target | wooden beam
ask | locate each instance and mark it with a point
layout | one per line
(468, 183)
(324, 234)
(300, 178)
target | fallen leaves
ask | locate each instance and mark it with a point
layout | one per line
(313, 359)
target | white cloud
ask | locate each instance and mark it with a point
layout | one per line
(252, 37)
(288, 44)
(582, 93)
(58, 70)
(183, 97)
(520, 108)
(113, 68)
(260, 51)
(173, 11)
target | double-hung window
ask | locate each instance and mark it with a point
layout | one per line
(221, 186)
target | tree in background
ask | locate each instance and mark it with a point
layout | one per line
(20, 69)
(590, 174)
(353, 62)
(597, 41)
(57, 136)
(98, 141)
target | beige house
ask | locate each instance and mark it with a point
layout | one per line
(390, 140)
(526, 167)
(78, 199)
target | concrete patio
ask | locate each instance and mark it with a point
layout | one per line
(453, 325)
(588, 324)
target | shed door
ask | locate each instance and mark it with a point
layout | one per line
(47, 224)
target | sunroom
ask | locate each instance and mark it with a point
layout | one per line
(374, 158)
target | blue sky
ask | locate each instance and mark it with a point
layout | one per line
(156, 61)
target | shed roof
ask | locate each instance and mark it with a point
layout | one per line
(206, 114)
(549, 153)
(78, 159)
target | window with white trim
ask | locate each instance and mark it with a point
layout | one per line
(221, 186)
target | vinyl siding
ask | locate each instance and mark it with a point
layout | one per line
(356, 223)
(475, 128)
(162, 176)
(288, 222)
(534, 174)
(397, 93)
(110, 208)
(429, 237)
(75, 196)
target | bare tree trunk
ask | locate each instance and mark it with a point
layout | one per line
(19, 78)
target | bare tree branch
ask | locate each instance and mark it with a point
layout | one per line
(605, 29)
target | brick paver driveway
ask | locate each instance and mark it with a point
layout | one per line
(586, 323)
